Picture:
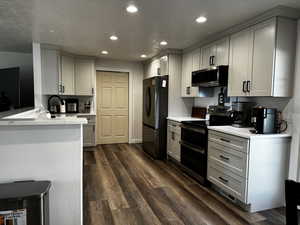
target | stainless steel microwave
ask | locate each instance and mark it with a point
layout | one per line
(213, 77)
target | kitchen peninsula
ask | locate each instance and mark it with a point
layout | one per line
(46, 149)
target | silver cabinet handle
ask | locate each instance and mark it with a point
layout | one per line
(248, 85)
(173, 136)
(92, 91)
(244, 86)
(225, 158)
(63, 89)
(188, 90)
(222, 139)
(223, 180)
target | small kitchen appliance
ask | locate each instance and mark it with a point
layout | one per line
(241, 113)
(72, 105)
(264, 120)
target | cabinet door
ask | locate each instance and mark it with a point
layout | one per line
(206, 54)
(164, 65)
(50, 71)
(222, 52)
(154, 68)
(67, 75)
(241, 45)
(186, 84)
(263, 59)
(84, 76)
(89, 135)
(196, 54)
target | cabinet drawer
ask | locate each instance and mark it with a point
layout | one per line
(230, 141)
(233, 160)
(174, 127)
(227, 181)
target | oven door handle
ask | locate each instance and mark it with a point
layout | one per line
(201, 131)
(191, 147)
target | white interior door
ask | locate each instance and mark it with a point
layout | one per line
(112, 107)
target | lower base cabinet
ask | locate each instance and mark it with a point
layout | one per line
(249, 171)
(174, 136)
(89, 131)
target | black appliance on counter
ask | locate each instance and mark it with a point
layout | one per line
(194, 140)
(54, 103)
(72, 105)
(155, 112)
(264, 120)
(241, 113)
(216, 76)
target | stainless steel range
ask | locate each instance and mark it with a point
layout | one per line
(194, 139)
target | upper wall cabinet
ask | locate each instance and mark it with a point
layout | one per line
(196, 59)
(164, 65)
(186, 83)
(152, 68)
(67, 84)
(84, 76)
(262, 59)
(66, 74)
(50, 62)
(215, 54)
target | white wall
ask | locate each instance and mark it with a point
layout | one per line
(294, 110)
(135, 70)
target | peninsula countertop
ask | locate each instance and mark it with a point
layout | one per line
(245, 132)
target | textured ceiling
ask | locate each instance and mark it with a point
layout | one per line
(84, 26)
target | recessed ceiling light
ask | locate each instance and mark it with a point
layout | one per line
(51, 31)
(163, 43)
(143, 56)
(104, 52)
(201, 19)
(132, 9)
(113, 38)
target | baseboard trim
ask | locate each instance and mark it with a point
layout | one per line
(135, 141)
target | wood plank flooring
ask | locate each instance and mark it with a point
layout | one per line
(123, 186)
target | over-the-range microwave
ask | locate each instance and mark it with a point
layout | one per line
(216, 76)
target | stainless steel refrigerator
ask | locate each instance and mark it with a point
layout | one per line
(155, 112)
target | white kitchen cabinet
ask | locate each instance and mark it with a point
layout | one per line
(186, 83)
(222, 52)
(207, 52)
(244, 169)
(151, 68)
(241, 45)
(67, 85)
(84, 76)
(164, 65)
(89, 131)
(174, 137)
(215, 54)
(269, 48)
(50, 63)
(196, 59)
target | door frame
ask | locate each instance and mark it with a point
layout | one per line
(130, 98)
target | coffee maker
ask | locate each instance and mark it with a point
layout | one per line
(264, 120)
(241, 113)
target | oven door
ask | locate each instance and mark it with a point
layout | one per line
(194, 159)
(197, 137)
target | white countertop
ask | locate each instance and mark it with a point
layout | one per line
(55, 121)
(245, 132)
(34, 118)
(184, 118)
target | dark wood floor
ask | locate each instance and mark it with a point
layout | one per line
(122, 185)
